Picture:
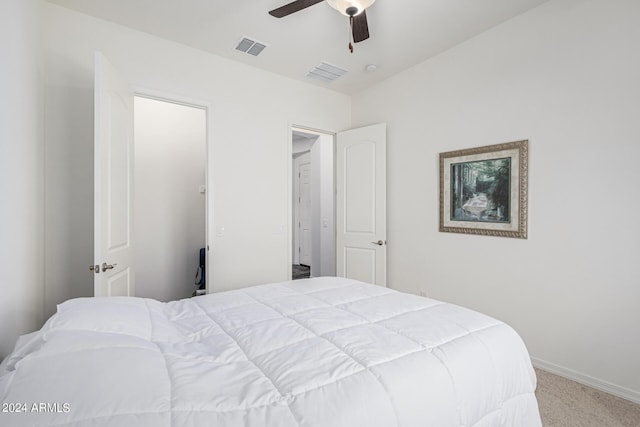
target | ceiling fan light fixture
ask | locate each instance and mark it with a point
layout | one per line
(343, 5)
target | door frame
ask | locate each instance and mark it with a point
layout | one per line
(292, 127)
(207, 106)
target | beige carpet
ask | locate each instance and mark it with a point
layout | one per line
(564, 403)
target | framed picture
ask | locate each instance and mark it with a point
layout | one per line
(483, 190)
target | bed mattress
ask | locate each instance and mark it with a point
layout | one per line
(324, 352)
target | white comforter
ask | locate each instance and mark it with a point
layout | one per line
(319, 352)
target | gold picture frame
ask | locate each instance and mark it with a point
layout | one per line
(484, 190)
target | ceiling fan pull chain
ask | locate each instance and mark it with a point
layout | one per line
(350, 33)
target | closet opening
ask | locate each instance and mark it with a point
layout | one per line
(170, 197)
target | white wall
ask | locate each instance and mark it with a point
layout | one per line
(68, 170)
(252, 113)
(322, 207)
(170, 167)
(564, 76)
(21, 170)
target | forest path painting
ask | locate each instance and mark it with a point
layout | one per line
(480, 190)
(483, 190)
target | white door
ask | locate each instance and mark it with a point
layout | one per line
(304, 218)
(113, 182)
(361, 205)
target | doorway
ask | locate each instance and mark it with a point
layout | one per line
(170, 201)
(313, 204)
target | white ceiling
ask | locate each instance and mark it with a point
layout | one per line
(403, 33)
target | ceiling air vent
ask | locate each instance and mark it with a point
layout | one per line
(326, 72)
(251, 47)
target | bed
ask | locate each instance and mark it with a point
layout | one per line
(327, 352)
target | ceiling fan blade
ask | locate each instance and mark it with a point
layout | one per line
(359, 27)
(293, 7)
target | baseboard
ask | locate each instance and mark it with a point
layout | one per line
(607, 387)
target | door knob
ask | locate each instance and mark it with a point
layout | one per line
(379, 243)
(106, 266)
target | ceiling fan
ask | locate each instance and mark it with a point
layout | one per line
(354, 9)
